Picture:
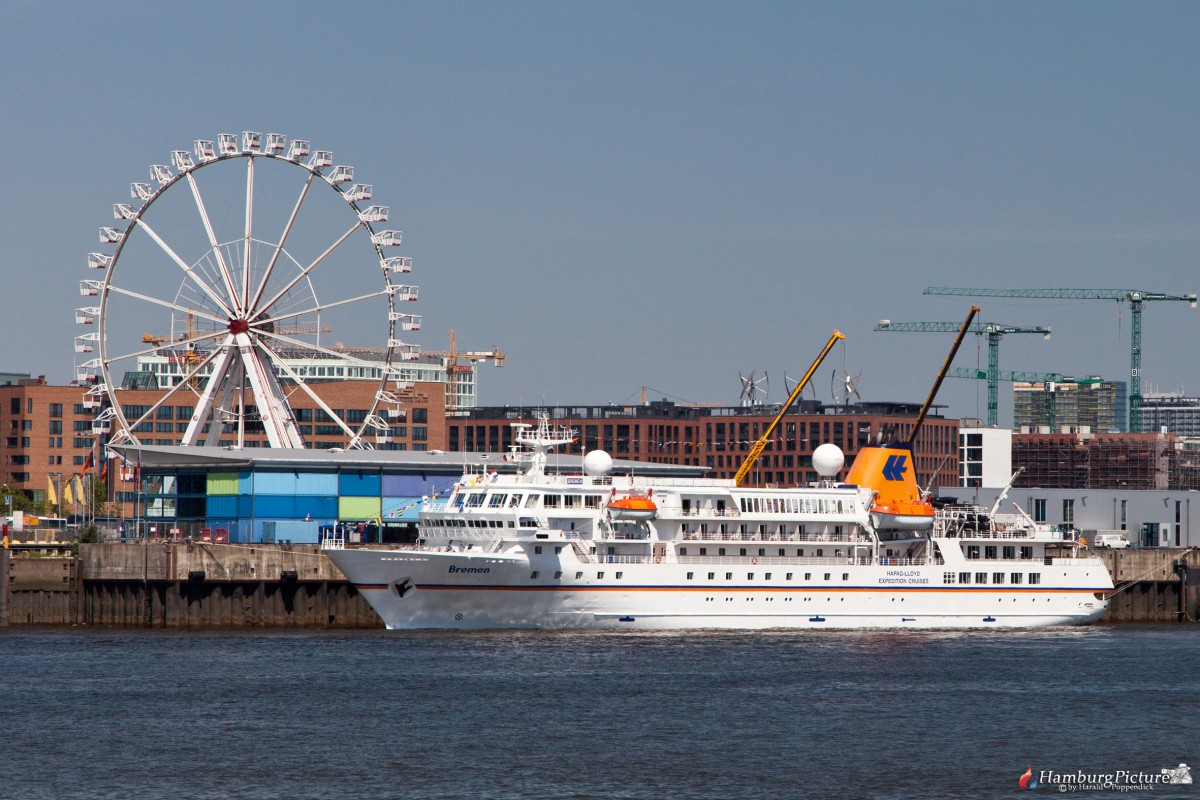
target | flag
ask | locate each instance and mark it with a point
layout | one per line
(104, 471)
(79, 496)
(68, 498)
(51, 492)
(88, 464)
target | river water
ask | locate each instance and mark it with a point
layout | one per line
(115, 713)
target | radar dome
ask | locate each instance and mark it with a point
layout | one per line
(598, 463)
(828, 460)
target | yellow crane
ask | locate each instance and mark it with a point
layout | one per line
(761, 444)
(452, 356)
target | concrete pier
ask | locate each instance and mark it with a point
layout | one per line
(162, 584)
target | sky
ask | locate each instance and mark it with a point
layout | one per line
(622, 195)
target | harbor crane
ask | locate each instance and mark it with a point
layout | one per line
(1135, 298)
(994, 331)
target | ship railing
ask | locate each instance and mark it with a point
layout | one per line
(749, 536)
(1024, 534)
(333, 541)
(704, 512)
(763, 561)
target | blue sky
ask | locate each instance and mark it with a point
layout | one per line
(658, 194)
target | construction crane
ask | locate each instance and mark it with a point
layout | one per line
(452, 356)
(1135, 298)
(994, 331)
(1008, 376)
(761, 444)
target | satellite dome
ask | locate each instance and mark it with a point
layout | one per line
(598, 463)
(828, 460)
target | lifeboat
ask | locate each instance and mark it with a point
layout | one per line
(898, 515)
(632, 507)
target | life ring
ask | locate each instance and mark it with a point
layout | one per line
(754, 561)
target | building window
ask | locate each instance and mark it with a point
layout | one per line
(1069, 513)
(1039, 510)
(56, 409)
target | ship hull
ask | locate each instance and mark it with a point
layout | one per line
(423, 589)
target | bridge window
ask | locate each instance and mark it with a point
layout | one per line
(981, 577)
(1035, 577)
(997, 577)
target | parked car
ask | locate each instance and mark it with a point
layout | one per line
(1114, 541)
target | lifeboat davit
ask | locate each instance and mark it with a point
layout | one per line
(633, 507)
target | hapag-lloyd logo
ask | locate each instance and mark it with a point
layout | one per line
(1120, 780)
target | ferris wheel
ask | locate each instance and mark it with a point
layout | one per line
(225, 288)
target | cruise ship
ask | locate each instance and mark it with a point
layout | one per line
(521, 546)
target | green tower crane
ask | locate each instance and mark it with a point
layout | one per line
(994, 332)
(1010, 376)
(1134, 297)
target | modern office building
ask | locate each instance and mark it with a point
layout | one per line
(984, 455)
(1053, 407)
(1171, 413)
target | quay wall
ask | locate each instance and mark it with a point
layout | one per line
(182, 585)
(200, 585)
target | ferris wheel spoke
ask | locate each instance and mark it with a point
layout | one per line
(324, 307)
(316, 348)
(176, 344)
(291, 373)
(287, 229)
(172, 390)
(262, 309)
(212, 236)
(191, 273)
(245, 295)
(168, 304)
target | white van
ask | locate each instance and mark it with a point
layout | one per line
(1114, 541)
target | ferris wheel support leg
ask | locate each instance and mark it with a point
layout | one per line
(278, 421)
(205, 404)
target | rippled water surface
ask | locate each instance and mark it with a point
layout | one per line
(105, 713)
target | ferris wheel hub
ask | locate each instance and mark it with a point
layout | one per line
(238, 326)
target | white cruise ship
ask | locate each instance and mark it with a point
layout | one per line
(593, 549)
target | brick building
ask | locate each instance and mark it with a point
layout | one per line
(720, 437)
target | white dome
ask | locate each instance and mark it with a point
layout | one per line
(828, 460)
(597, 463)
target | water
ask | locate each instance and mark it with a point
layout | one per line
(108, 713)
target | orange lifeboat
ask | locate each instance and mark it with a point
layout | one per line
(632, 507)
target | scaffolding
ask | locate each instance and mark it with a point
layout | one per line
(1094, 461)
